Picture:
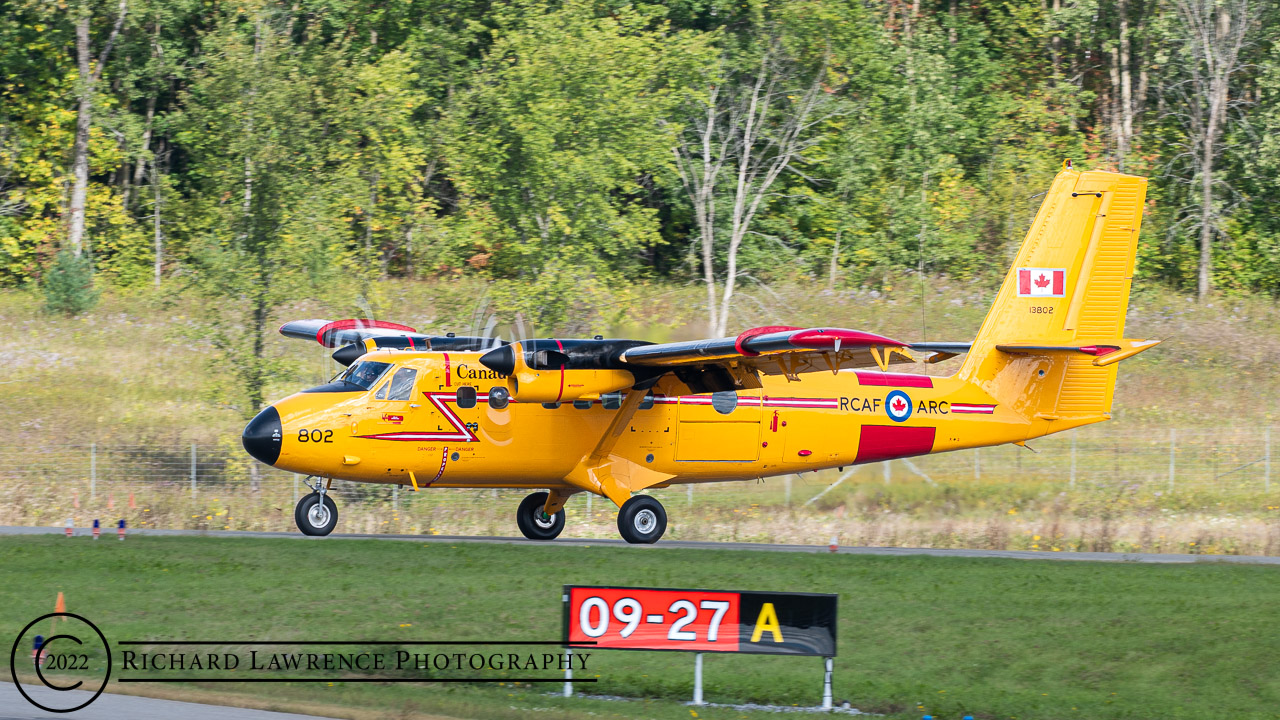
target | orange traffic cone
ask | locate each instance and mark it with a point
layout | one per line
(59, 607)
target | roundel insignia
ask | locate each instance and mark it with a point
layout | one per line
(898, 405)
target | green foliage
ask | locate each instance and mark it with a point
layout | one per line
(562, 138)
(531, 142)
(68, 285)
(273, 214)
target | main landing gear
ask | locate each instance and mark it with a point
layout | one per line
(316, 513)
(641, 519)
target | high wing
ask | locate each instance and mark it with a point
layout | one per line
(775, 350)
(355, 337)
(332, 333)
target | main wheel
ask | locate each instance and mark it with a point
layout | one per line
(534, 522)
(642, 520)
(315, 517)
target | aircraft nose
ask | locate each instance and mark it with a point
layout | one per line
(262, 436)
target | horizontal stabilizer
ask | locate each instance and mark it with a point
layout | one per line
(1105, 352)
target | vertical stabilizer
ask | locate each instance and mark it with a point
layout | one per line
(1069, 286)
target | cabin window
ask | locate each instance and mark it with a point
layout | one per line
(382, 391)
(647, 402)
(611, 401)
(499, 396)
(365, 374)
(724, 402)
(466, 397)
(401, 384)
(551, 406)
(582, 404)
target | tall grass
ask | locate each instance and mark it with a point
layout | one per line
(127, 375)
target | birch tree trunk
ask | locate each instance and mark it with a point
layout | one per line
(1126, 85)
(87, 78)
(80, 150)
(1213, 34)
(760, 125)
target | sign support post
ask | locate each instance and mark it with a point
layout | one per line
(568, 672)
(697, 679)
(826, 684)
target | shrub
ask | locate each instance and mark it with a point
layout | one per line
(68, 285)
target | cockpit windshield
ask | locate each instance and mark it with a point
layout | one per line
(365, 373)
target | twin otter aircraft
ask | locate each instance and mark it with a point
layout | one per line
(617, 417)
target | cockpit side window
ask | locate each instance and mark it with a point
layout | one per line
(466, 397)
(402, 384)
(382, 391)
(365, 374)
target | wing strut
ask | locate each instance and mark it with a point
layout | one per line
(614, 476)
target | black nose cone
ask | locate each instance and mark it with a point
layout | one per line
(262, 436)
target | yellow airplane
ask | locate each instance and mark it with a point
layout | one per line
(618, 417)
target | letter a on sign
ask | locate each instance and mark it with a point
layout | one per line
(767, 622)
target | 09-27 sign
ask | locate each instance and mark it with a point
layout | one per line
(627, 618)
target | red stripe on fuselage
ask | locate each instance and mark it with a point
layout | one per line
(560, 347)
(882, 379)
(885, 442)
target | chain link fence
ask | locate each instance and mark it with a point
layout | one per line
(220, 487)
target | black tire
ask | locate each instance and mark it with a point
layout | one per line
(315, 523)
(642, 520)
(534, 523)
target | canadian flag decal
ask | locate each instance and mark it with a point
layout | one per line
(1042, 282)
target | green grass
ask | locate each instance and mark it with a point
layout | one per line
(995, 638)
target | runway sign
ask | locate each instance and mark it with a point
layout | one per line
(627, 618)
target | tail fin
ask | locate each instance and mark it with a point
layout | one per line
(1065, 297)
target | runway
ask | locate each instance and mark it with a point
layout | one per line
(113, 707)
(1149, 558)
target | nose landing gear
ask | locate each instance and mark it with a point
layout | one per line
(316, 513)
(534, 522)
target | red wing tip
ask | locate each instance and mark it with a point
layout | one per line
(357, 324)
(762, 330)
(827, 337)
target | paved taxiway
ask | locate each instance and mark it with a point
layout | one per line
(115, 707)
(1154, 558)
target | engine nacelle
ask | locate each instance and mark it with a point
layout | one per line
(549, 386)
(550, 371)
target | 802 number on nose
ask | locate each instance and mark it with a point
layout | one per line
(316, 436)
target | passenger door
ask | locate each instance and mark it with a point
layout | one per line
(723, 426)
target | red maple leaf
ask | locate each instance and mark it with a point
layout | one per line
(1042, 281)
(898, 405)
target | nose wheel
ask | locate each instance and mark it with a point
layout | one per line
(534, 522)
(642, 520)
(316, 513)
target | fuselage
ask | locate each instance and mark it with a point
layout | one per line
(443, 420)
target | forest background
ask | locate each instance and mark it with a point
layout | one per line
(555, 164)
